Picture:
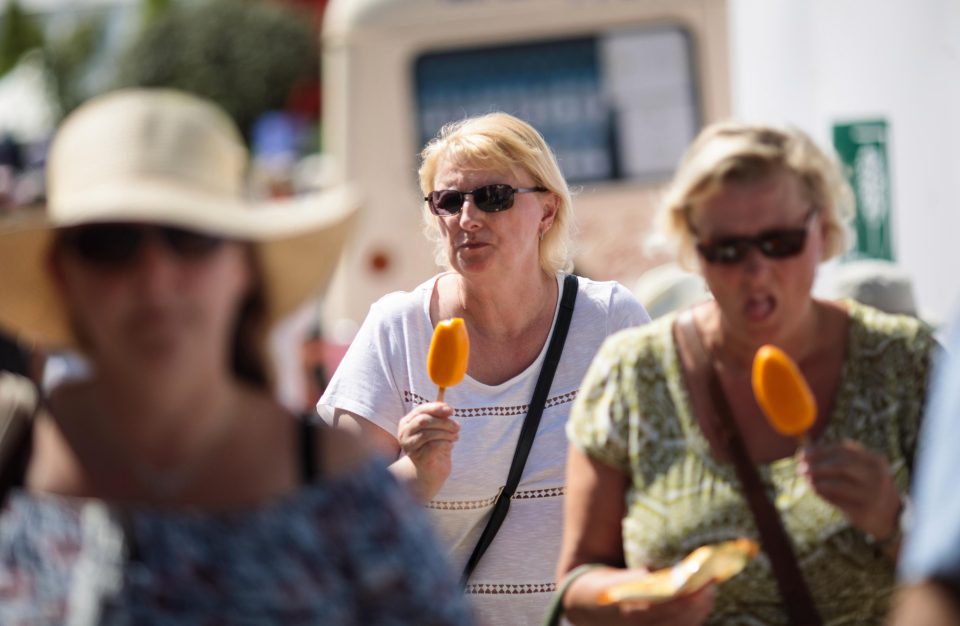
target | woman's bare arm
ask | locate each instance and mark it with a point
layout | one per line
(420, 453)
(593, 516)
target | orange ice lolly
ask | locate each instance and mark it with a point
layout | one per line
(449, 353)
(782, 392)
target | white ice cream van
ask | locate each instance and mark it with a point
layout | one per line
(617, 87)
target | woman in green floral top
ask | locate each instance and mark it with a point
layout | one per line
(756, 209)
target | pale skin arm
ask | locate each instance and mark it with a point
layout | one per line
(857, 481)
(422, 449)
(593, 511)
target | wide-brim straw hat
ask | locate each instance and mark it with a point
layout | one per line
(165, 157)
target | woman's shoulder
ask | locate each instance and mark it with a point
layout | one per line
(656, 333)
(603, 291)
(878, 330)
(640, 343)
(900, 348)
(610, 298)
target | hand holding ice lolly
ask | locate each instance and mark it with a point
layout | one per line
(783, 393)
(449, 353)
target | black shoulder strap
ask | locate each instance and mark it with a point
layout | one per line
(794, 591)
(309, 467)
(530, 424)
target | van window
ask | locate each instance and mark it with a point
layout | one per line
(620, 105)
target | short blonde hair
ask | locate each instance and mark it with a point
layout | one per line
(501, 143)
(732, 152)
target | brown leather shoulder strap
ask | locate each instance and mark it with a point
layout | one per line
(773, 536)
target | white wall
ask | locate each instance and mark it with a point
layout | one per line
(815, 62)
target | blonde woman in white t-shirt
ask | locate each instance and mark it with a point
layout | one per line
(499, 211)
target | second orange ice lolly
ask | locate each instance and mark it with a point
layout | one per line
(449, 354)
(783, 393)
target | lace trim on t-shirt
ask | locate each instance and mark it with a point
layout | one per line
(493, 411)
(509, 589)
(465, 505)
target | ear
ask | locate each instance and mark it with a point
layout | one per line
(550, 206)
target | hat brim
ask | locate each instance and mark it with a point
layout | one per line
(297, 244)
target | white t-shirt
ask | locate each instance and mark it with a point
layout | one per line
(384, 376)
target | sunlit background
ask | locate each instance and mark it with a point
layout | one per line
(351, 89)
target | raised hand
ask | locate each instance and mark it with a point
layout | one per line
(426, 436)
(857, 481)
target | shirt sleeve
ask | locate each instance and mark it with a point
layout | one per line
(365, 382)
(933, 543)
(599, 419)
(625, 310)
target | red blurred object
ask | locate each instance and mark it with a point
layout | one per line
(379, 261)
(317, 7)
(304, 99)
(320, 359)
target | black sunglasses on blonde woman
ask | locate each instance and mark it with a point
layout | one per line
(777, 243)
(489, 198)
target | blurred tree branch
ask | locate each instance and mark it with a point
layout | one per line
(19, 34)
(68, 60)
(66, 57)
(245, 55)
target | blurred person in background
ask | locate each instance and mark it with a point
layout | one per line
(653, 471)
(166, 485)
(874, 282)
(668, 288)
(499, 212)
(14, 357)
(930, 564)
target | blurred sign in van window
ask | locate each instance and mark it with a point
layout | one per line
(615, 106)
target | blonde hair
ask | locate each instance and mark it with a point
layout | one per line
(733, 152)
(501, 143)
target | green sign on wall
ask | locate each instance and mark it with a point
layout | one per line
(862, 147)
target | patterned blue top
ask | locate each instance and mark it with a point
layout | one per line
(350, 550)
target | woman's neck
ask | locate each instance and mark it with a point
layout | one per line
(735, 350)
(502, 307)
(164, 424)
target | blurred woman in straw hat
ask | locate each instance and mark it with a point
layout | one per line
(167, 485)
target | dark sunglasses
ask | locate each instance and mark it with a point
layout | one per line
(780, 243)
(114, 244)
(489, 199)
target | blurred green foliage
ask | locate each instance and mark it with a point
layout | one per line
(152, 9)
(67, 55)
(19, 34)
(245, 55)
(68, 59)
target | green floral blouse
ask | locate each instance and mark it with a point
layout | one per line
(633, 413)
